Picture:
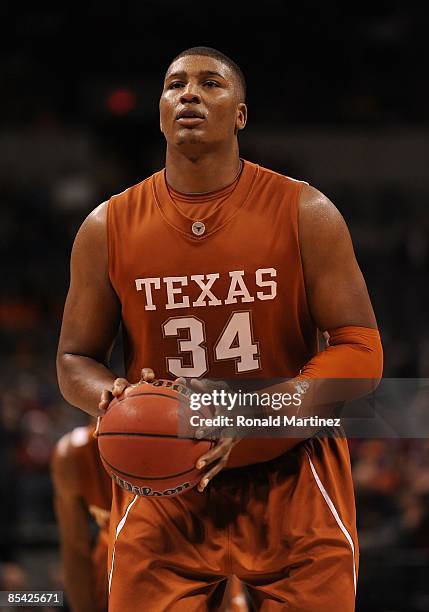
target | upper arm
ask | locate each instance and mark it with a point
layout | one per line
(63, 469)
(92, 311)
(336, 290)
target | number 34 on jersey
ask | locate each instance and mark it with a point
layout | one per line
(236, 341)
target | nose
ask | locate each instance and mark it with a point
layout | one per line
(189, 96)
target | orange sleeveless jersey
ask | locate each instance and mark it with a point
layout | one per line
(229, 303)
(95, 487)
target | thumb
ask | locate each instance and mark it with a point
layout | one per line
(97, 428)
(119, 386)
(147, 375)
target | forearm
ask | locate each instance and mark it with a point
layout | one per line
(350, 368)
(78, 579)
(82, 380)
(75, 538)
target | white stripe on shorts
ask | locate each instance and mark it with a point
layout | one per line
(333, 509)
(118, 531)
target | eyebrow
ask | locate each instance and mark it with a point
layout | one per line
(182, 73)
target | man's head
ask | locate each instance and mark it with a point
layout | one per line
(202, 102)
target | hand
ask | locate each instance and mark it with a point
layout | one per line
(119, 386)
(218, 455)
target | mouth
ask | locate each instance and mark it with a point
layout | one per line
(189, 118)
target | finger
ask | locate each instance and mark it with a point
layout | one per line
(220, 385)
(105, 399)
(97, 428)
(119, 386)
(198, 385)
(212, 473)
(208, 433)
(147, 375)
(181, 381)
(215, 453)
(207, 384)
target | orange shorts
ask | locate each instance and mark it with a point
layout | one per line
(285, 528)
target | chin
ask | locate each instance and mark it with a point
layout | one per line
(190, 139)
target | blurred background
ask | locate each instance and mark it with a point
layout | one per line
(337, 97)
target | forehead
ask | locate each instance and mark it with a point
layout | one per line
(196, 64)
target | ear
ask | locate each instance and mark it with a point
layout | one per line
(241, 120)
(160, 126)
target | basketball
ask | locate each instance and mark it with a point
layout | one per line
(139, 441)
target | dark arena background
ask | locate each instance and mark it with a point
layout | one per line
(337, 97)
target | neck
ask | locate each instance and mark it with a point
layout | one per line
(201, 173)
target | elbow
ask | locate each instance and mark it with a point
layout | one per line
(368, 366)
(63, 373)
(367, 370)
(375, 364)
(358, 353)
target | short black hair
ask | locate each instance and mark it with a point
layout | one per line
(210, 52)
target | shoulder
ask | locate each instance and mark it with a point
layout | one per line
(90, 244)
(322, 231)
(65, 458)
(316, 212)
(96, 221)
(92, 232)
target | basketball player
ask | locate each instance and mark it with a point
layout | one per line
(219, 268)
(82, 488)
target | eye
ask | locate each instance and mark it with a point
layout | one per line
(175, 85)
(211, 84)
